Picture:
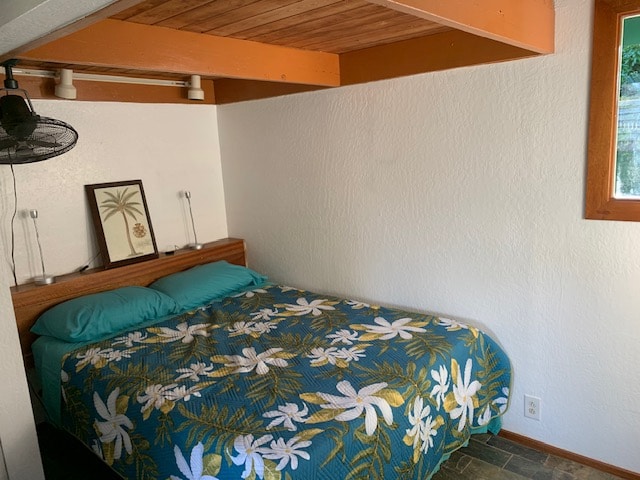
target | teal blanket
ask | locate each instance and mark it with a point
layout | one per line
(280, 384)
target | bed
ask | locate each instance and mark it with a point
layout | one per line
(258, 380)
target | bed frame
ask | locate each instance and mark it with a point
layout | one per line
(30, 300)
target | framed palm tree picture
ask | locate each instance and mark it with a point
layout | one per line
(122, 222)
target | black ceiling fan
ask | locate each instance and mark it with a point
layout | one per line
(26, 137)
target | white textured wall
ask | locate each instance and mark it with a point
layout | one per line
(461, 193)
(169, 147)
(19, 444)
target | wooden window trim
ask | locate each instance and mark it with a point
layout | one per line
(600, 202)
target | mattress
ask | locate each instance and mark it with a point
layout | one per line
(279, 383)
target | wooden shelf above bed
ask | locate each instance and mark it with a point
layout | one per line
(30, 300)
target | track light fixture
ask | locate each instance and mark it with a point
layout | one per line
(195, 90)
(65, 88)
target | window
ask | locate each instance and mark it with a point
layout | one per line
(613, 176)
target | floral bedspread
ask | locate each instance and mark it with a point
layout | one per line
(281, 384)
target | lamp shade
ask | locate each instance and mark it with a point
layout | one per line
(65, 88)
(195, 91)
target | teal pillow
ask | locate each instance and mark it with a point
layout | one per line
(199, 285)
(100, 315)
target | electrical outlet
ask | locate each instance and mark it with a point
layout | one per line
(532, 407)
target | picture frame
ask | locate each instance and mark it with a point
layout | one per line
(122, 222)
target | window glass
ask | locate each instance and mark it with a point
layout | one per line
(627, 178)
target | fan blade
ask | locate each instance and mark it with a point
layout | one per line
(24, 150)
(7, 143)
(42, 143)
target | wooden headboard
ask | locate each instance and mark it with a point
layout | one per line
(30, 300)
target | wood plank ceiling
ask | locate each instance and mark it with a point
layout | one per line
(246, 49)
(335, 26)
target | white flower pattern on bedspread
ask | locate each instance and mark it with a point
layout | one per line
(353, 403)
(286, 415)
(182, 333)
(112, 424)
(195, 469)
(282, 384)
(462, 401)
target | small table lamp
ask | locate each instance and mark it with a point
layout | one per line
(43, 279)
(195, 245)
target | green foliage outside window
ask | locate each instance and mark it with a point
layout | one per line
(628, 151)
(630, 65)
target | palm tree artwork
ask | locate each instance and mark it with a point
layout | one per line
(122, 202)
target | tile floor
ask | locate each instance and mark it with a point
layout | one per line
(488, 457)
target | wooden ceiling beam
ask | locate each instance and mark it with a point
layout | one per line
(229, 90)
(125, 45)
(430, 53)
(527, 24)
